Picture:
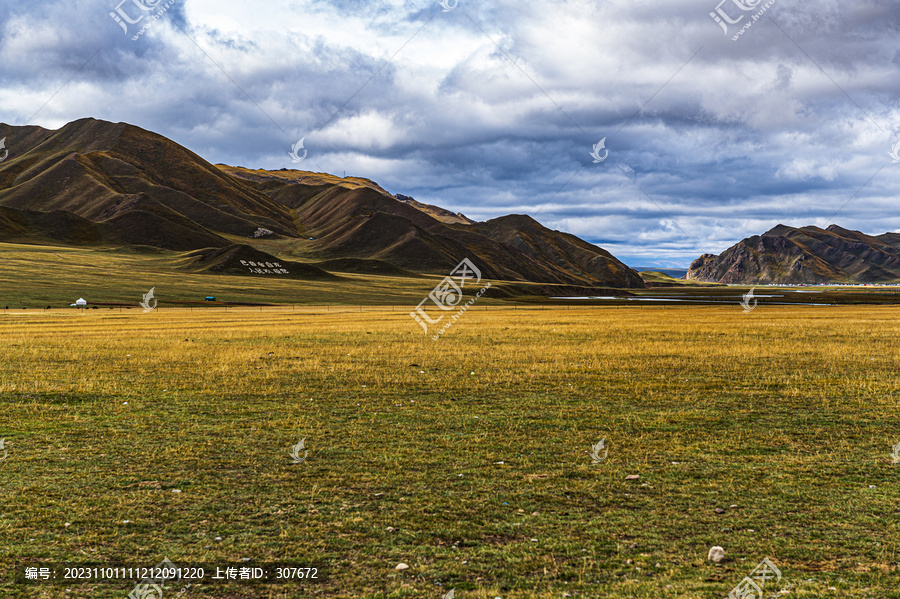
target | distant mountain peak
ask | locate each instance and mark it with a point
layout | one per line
(808, 254)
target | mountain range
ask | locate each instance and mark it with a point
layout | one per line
(99, 184)
(95, 183)
(809, 254)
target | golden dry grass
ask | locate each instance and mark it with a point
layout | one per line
(789, 413)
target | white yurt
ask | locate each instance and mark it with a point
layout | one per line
(81, 302)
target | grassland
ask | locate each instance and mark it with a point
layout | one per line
(35, 277)
(464, 458)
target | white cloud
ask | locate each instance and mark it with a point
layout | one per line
(802, 169)
(745, 135)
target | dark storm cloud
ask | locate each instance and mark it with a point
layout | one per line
(494, 107)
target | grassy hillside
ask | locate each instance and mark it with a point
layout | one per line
(653, 276)
(38, 276)
(660, 279)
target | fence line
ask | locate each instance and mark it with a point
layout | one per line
(359, 308)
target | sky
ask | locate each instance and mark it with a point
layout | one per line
(711, 130)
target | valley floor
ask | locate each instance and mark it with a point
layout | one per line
(131, 437)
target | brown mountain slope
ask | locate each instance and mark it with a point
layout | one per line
(100, 170)
(568, 252)
(804, 255)
(359, 219)
(28, 226)
(116, 184)
(441, 214)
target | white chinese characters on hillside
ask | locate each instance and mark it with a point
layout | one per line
(265, 268)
